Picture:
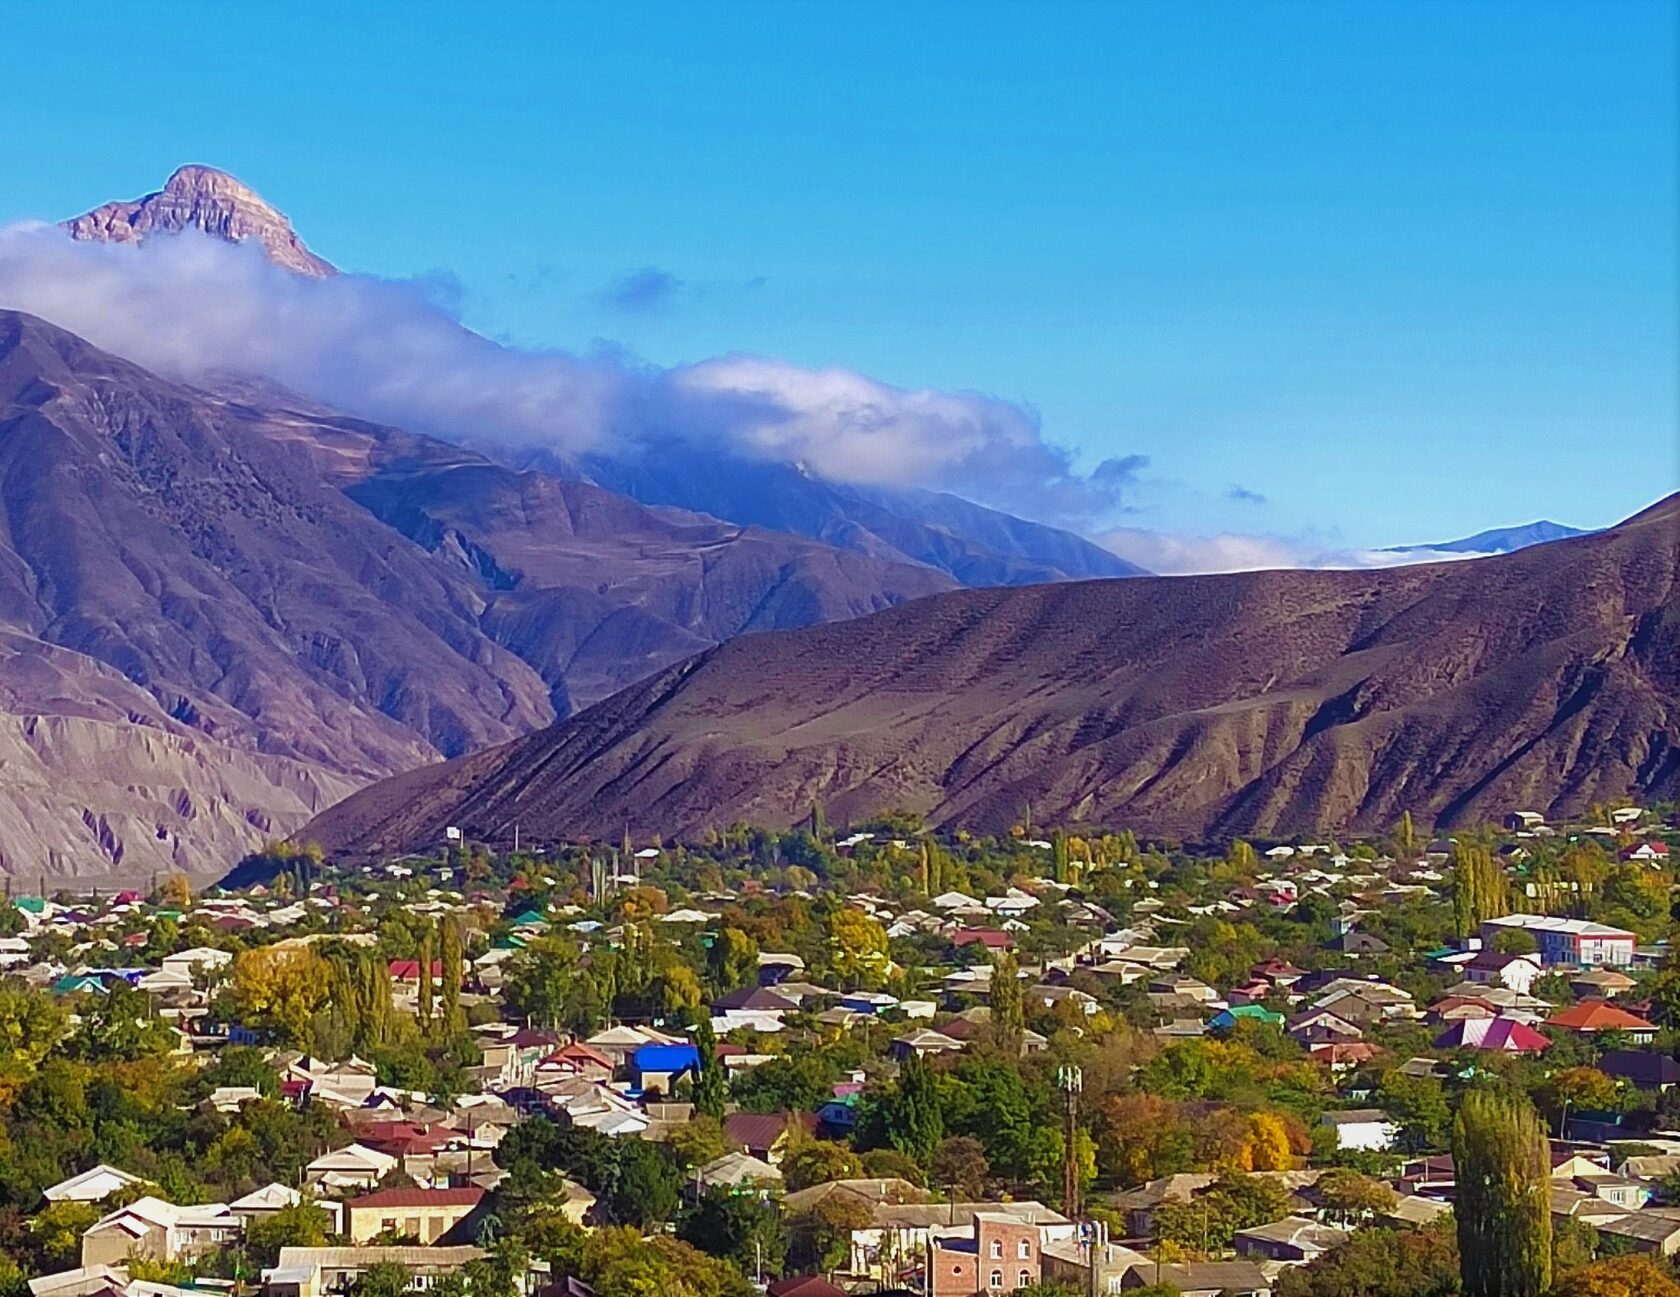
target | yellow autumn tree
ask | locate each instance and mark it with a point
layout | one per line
(279, 989)
(1267, 1146)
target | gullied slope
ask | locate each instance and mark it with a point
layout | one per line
(314, 602)
(1264, 703)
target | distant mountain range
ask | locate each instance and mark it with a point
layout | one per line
(1497, 540)
(972, 544)
(1266, 703)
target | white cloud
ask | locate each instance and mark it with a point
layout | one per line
(1177, 555)
(190, 305)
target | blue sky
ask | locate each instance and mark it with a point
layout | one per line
(1400, 271)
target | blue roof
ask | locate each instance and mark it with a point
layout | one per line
(666, 1058)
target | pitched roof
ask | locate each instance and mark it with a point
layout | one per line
(1492, 1033)
(1598, 1015)
(469, 1197)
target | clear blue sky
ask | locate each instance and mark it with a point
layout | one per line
(1406, 271)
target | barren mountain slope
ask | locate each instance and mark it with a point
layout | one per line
(358, 601)
(1264, 703)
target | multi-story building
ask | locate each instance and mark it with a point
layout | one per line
(999, 1255)
(1567, 941)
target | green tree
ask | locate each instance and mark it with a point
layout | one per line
(382, 1279)
(424, 959)
(1380, 1263)
(959, 1163)
(1009, 1022)
(1503, 1167)
(1622, 1276)
(739, 1228)
(1480, 888)
(911, 1115)
(302, 1224)
(453, 956)
(733, 959)
(818, 1161)
(645, 1186)
(821, 1236)
(711, 1087)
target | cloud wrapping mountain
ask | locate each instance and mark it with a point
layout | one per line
(189, 304)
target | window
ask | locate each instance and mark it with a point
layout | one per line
(997, 1278)
(1024, 1279)
(1023, 1249)
(997, 1248)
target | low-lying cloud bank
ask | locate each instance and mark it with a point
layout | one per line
(189, 305)
(1179, 555)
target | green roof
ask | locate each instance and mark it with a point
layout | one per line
(34, 904)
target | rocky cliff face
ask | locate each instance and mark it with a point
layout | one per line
(1266, 704)
(204, 199)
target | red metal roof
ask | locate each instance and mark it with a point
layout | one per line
(470, 1197)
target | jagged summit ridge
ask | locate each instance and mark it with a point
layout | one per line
(206, 199)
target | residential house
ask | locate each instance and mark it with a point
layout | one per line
(921, 1042)
(1505, 1035)
(766, 1135)
(352, 1167)
(1601, 983)
(1590, 1017)
(333, 1271)
(159, 1230)
(422, 1215)
(1322, 1027)
(1362, 1128)
(1241, 1278)
(1642, 1068)
(93, 1185)
(1518, 972)
(660, 1067)
(1000, 1253)
(1294, 1240)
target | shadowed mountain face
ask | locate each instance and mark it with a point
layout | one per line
(975, 545)
(1266, 703)
(219, 613)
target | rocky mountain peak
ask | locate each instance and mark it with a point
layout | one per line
(206, 199)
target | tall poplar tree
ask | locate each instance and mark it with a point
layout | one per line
(449, 939)
(1503, 1168)
(425, 972)
(1008, 1015)
(711, 1089)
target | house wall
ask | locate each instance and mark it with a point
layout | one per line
(427, 1224)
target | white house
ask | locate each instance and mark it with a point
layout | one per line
(353, 1167)
(95, 1185)
(1363, 1128)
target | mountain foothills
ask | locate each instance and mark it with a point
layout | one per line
(224, 607)
(1267, 703)
(221, 612)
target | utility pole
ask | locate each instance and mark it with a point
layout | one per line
(1071, 1080)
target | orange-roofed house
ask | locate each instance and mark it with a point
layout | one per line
(1590, 1017)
